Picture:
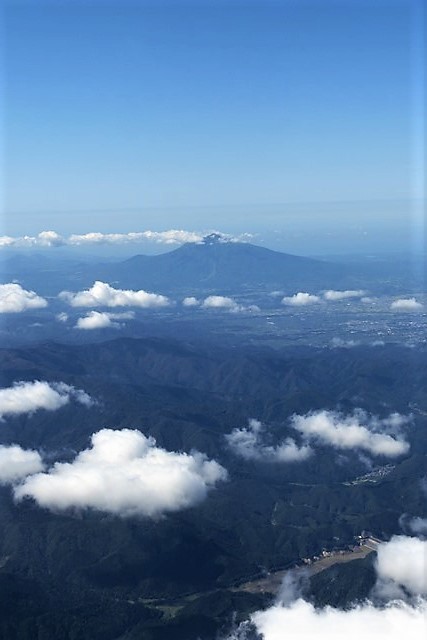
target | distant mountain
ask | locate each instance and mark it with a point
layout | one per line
(212, 265)
(221, 266)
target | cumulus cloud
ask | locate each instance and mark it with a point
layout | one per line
(62, 317)
(224, 302)
(300, 299)
(17, 463)
(126, 474)
(43, 239)
(102, 294)
(27, 397)
(191, 301)
(219, 302)
(333, 296)
(248, 444)
(379, 437)
(98, 320)
(15, 299)
(303, 621)
(406, 304)
(402, 562)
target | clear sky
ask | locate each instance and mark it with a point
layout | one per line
(303, 118)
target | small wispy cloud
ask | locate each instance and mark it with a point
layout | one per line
(340, 343)
(248, 443)
(333, 296)
(15, 299)
(227, 303)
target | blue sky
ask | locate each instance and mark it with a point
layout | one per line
(287, 116)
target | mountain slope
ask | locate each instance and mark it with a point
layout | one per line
(215, 265)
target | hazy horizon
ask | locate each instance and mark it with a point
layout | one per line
(302, 123)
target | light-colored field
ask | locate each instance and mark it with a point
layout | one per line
(272, 582)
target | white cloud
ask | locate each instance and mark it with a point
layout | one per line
(15, 299)
(168, 237)
(191, 301)
(219, 302)
(339, 343)
(27, 397)
(62, 317)
(300, 299)
(403, 562)
(102, 294)
(172, 236)
(43, 239)
(357, 431)
(333, 296)
(418, 526)
(247, 443)
(300, 620)
(98, 320)
(7, 241)
(125, 473)
(224, 302)
(49, 239)
(17, 463)
(406, 304)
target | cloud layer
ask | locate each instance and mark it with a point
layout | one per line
(126, 474)
(169, 237)
(357, 431)
(17, 463)
(102, 294)
(248, 444)
(27, 397)
(15, 299)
